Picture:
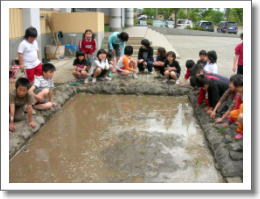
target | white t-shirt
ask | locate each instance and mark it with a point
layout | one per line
(103, 64)
(30, 55)
(40, 82)
(211, 68)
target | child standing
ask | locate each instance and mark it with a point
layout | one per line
(42, 88)
(172, 67)
(100, 66)
(28, 54)
(88, 45)
(116, 43)
(238, 59)
(145, 56)
(81, 66)
(211, 66)
(20, 101)
(203, 58)
(126, 65)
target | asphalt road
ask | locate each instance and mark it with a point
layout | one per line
(189, 46)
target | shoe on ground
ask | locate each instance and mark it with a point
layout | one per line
(86, 81)
(239, 136)
(135, 76)
(166, 80)
(108, 78)
(94, 80)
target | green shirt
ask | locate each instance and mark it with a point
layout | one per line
(20, 101)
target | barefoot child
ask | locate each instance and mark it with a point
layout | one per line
(81, 66)
(42, 88)
(28, 54)
(20, 101)
(88, 45)
(172, 67)
(126, 65)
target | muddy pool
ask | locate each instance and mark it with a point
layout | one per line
(118, 138)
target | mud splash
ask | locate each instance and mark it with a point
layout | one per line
(111, 138)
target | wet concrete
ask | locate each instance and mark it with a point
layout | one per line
(109, 138)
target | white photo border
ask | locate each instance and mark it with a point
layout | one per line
(5, 185)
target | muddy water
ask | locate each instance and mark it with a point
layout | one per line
(106, 138)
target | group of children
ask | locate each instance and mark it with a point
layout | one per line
(221, 96)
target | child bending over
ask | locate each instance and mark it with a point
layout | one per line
(20, 101)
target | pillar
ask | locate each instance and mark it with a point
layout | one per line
(115, 19)
(129, 17)
(65, 9)
(31, 17)
(122, 17)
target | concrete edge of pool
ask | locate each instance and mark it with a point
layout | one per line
(227, 152)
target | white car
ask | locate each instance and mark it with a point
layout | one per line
(184, 23)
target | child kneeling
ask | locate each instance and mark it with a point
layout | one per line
(42, 88)
(126, 64)
(20, 101)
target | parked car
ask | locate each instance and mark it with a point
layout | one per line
(227, 27)
(142, 17)
(158, 23)
(184, 23)
(169, 24)
(142, 23)
(206, 26)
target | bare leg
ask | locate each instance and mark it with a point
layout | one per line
(173, 75)
(45, 106)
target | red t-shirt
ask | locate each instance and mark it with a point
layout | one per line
(87, 46)
(239, 52)
(187, 75)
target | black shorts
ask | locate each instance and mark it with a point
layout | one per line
(240, 69)
(161, 69)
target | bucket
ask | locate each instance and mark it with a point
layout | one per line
(50, 51)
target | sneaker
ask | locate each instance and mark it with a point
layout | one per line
(165, 80)
(108, 78)
(135, 76)
(177, 82)
(86, 81)
(110, 74)
(239, 136)
(94, 80)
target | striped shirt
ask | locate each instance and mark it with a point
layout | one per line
(41, 82)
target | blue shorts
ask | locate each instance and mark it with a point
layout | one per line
(116, 47)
